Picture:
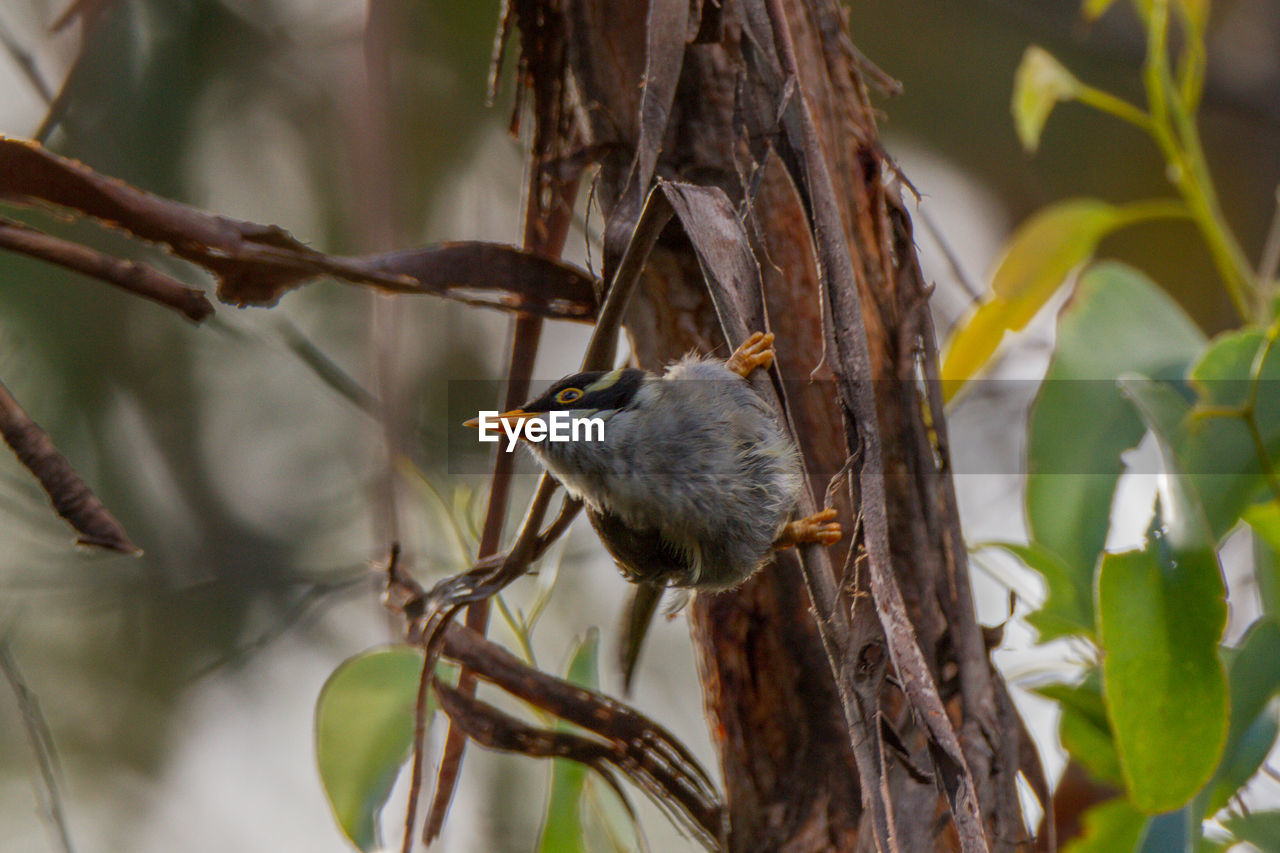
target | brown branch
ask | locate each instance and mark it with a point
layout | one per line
(70, 496)
(256, 264)
(640, 747)
(494, 729)
(135, 277)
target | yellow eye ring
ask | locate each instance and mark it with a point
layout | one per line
(568, 395)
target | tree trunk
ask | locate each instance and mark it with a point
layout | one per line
(791, 782)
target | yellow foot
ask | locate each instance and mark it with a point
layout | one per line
(755, 351)
(814, 528)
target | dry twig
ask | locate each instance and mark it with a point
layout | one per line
(71, 497)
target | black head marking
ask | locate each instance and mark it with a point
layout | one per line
(601, 390)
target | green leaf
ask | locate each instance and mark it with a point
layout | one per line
(1039, 84)
(1114, 826)
(1162, 611)
(1117, 321)
(1217, 450)
(1160, 618)
(1084, 729)
(364, 733)
(1265, 521)
(1212, 446)
(562, 826)
(1254, 677)
(1261, 829)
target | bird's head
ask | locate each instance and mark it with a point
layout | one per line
(592, 394)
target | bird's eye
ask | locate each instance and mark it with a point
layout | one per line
(568, 395)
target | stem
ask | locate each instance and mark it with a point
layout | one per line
(1191, 74)
(1160, 208)
(1172, 126)
(1202, 198)
(1110, 104)
(1255, 432)
(518, 629)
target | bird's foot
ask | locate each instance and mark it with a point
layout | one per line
(755, 351)
(813, 528)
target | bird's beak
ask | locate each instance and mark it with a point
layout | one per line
(513, 415)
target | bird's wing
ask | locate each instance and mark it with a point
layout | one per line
(641, 553)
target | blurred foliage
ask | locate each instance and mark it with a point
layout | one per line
(957, 63)
(244, 477)
(1165, 709)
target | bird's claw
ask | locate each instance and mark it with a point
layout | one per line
(818, 528)
(755, 351)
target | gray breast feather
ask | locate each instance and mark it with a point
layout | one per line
(701, 459)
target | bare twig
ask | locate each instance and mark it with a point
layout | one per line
(643, 749)
(41, 740)
(26, 62)
(649, 754)
(256, 264)
(497, 730)
(953, 260)
(70, 496)
(135, 277)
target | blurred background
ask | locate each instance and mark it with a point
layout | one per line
(179, 687)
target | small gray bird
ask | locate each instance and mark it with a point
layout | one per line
(694, 481)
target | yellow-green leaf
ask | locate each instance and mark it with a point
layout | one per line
(1039, 84)
(364, 733)
(1052, 243)
(1039, 257)
(1197, 14)
(1095, 9)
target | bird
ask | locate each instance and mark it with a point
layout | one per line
(693, 482)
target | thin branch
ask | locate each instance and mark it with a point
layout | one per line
(26, 62)
(41, 740)
(492, 728)
(637, 745)
(71, 497)
(135, 277)
(256, 264)
(948, 253)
